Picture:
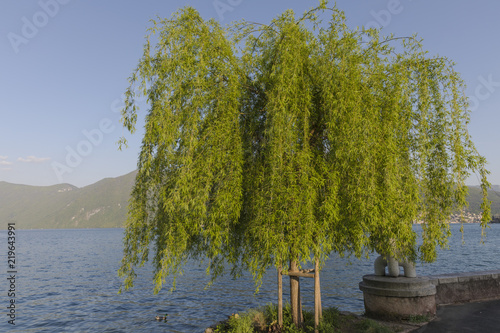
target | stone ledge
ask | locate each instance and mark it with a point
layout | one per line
(466, 287)
(401, 296)
(396, 292)
(396, 298)
(397, 287)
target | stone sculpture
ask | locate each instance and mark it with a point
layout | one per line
(393, 267)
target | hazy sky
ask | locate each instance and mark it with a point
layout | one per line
(65, 63)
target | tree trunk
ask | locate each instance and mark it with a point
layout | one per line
(295, 295)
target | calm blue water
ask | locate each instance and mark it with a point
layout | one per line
(67, 282)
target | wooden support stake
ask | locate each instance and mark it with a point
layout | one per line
(301, 274)
(317, 297)
(294, 274)
(280, 298)
(300, 308)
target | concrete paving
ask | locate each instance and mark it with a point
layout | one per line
(483, 317)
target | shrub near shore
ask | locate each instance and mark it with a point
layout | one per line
(265, 320)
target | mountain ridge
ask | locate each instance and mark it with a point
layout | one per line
(99, 205)
(103, 204)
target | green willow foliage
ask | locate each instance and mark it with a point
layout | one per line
(301, 143)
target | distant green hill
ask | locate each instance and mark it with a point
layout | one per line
(100, 205)
(104, 204)
(474, 198)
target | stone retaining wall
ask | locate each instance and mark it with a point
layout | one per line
(466, 287)
(403, 297)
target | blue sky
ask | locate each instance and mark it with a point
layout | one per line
(65, 63)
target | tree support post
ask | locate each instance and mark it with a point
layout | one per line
(280, 297)
(318, 312)
(294, 273)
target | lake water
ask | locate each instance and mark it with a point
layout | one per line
(66, 282)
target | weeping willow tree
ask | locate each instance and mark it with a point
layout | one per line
(269, 145)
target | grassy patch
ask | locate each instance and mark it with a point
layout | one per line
(418, 319)
(265, 319)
